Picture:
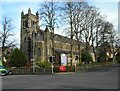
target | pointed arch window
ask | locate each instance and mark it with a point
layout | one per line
(39, 51)
(25, 39)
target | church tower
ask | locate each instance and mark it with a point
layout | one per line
(29, 31)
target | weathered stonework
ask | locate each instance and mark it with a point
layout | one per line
(37, 44)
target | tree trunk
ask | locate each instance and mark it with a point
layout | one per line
(3, 49)
(79, 48)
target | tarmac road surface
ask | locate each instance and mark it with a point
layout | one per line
(100, 79)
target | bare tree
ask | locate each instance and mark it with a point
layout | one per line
(48, 13)
(94, 30)
(5, 35)
(106, 36)
(86, 24)
(78, 25)
(68, 9)
(113, 42)
(80, 17)
(98, 27)
(88, 27)
(85, 29)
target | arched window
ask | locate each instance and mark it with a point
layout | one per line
(29, 44)
(26, 24)
(25, 39)
(39, 51)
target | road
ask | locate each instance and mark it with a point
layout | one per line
(101, 79)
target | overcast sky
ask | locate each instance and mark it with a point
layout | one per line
(13, 8)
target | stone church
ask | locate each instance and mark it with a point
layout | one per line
(37, 43)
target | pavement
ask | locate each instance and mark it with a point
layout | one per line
(64, 73)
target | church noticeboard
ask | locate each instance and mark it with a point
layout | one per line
(63, 59)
